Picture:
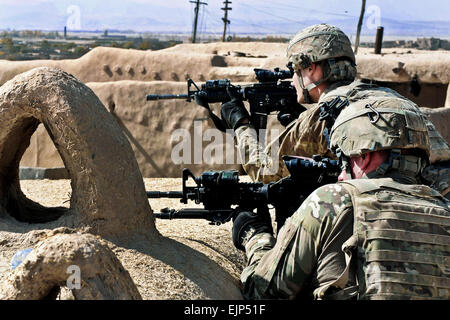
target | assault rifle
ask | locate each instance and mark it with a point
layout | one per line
(220, 191)
(269, 94)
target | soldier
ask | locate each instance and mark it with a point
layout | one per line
(325, 70)
(377, 234)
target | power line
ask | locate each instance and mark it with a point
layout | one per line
(212, 21)
(289, 7)
(259, 26)
(271, 13)
(202, 24)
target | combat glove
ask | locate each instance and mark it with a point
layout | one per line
(247, 224)
(201, 100)
(285, 118)
(233, 112)
(290, 113)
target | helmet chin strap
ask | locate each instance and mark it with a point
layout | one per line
(344, 162)
(406, 164)
(309, 87)
(306, 95)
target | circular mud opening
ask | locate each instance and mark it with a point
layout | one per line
(21, 204)
(43, 176)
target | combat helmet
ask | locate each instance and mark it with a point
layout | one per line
(383, 123)
(323, 42)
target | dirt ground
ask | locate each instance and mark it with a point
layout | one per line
(155, 278)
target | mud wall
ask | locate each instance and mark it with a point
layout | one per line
(121, 78)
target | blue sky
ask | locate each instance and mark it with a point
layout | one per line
(416, 17)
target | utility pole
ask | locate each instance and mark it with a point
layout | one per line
(225, 18)
(196, 10)
(360, 21)
(379, 40)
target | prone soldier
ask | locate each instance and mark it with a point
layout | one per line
(376, 234)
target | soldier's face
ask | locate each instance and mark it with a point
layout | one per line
(358, 166)
(309, 75)
(298, 88)
(367, 163)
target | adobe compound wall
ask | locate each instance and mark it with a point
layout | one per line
(121, 79)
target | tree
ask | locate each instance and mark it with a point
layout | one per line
(7, 42)
(145, 45)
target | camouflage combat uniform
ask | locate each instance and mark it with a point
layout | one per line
(384, 236)
(312, 253)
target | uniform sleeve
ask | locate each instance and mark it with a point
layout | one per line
(439, 149)
(438, 173)
(281, 269)
(302, 137)
(260, 162)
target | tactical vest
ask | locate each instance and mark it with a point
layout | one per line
(401, 241)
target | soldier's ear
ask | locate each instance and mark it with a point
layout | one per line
(366, 160)
(360, 164)
(315, 68)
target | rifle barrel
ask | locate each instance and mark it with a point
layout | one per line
(164, 194)
(188, 213)
(166, 96)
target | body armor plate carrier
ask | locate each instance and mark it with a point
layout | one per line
(401, 241)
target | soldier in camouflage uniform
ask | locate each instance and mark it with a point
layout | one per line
(325, 69)
(380, 235)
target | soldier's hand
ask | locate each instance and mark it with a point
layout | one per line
(247, 224)
(285, 118)
(290, 113)
(234, 113)
(201, 101)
